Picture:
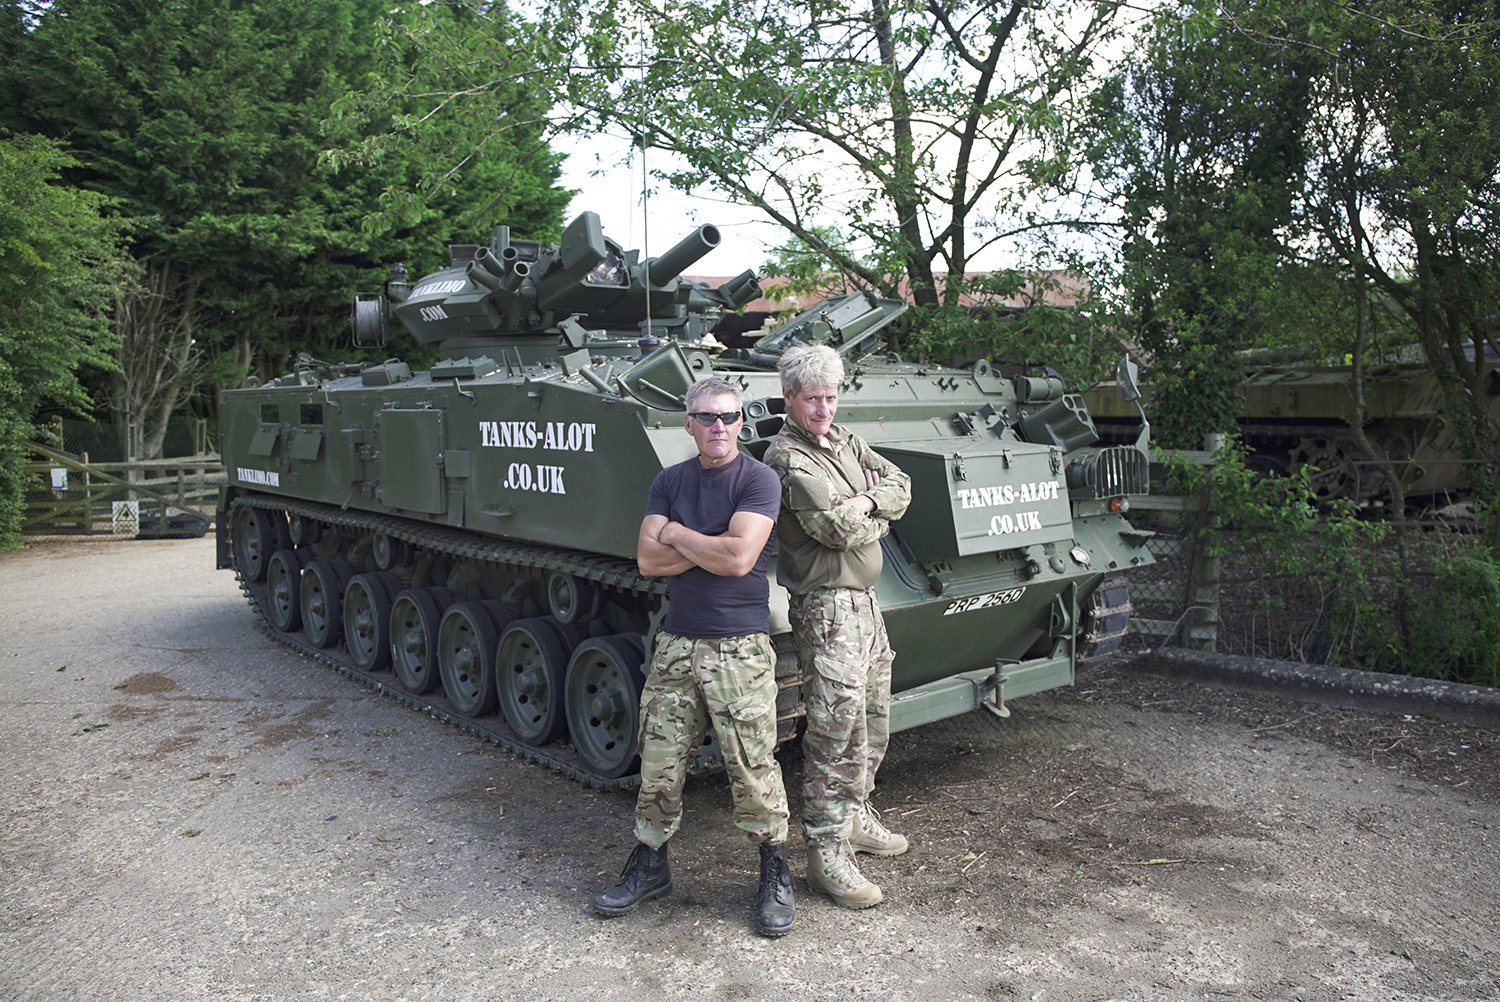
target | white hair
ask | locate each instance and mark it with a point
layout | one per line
(807, 365)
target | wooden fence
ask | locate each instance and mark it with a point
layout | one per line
(73, 496)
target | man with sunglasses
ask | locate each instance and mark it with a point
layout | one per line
(708, 527)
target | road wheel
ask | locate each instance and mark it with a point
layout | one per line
(284, 589)
(322, 600)
(367, 619)
(532, 664)
(467, 642)
(416, 615)
(604, 703)
(253, 541)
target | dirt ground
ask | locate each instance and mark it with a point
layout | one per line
(192, 811)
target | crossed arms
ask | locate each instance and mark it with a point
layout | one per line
(666, 548)
(843, 522)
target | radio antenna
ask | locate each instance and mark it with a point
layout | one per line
(645, 202)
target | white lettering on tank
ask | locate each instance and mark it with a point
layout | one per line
(555, 436)
(1021, 521)
(552, 436)
(1004, 494)
(438, 288)
(538, 477)
(266, 478)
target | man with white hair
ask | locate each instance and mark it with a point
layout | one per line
(838, 497)
(708, 528)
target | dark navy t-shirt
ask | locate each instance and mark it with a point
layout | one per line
(704, 604)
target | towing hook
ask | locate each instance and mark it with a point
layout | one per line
(994, 693)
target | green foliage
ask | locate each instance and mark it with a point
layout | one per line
(1454, 635)
(1322, 583)
(60, 267)
(496, 169)
(804, 266)
(1319, 566)
(204, 122)
(1194, 393)
(1201, 139)
(1035, 333)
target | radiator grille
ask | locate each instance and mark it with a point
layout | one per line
(1108, 473)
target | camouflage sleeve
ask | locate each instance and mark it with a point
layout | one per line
(810, 498)
(893, 493)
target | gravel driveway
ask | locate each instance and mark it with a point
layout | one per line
(193, 812)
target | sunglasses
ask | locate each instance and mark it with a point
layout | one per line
(707, 418)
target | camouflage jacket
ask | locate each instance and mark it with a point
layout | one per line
(822, 541)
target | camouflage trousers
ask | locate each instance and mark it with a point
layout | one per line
(845, 660)
(731, 680)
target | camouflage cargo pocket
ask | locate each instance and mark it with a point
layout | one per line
(832, 638)
(754, 716)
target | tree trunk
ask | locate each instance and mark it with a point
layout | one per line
(157, 366)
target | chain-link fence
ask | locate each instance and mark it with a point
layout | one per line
(1175, 601)
(106, 442)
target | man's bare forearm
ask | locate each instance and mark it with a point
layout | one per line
(726, 556)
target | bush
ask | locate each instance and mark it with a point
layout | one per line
(1326, 584)
(1455, 634)
(1304, 580)
(60, 265)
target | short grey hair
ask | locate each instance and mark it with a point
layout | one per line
(713, 386)
(807, 365)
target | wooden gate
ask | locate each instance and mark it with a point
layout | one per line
(160, 497)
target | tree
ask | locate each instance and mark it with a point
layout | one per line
(492, 167)
(894, 138)
(1406, 195)
(1200, 139)
(204, 122)
(1309, 163)
(60, 268)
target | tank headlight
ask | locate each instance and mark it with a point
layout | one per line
(1079, 555)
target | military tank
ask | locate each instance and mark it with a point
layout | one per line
(1297, 413)
(463, 538)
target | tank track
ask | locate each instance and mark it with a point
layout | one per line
(611, 572)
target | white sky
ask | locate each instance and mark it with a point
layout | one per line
(606, 172)
(614, 192)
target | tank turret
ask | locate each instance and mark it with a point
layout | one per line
(511, 292)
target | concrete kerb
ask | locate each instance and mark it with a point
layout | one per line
(1475, 705)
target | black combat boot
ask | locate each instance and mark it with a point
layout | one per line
(645, 876)
(776, 910)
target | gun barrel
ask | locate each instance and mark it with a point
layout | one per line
(688, 250)
(485, 258)
(740, 289)
(514, 276)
